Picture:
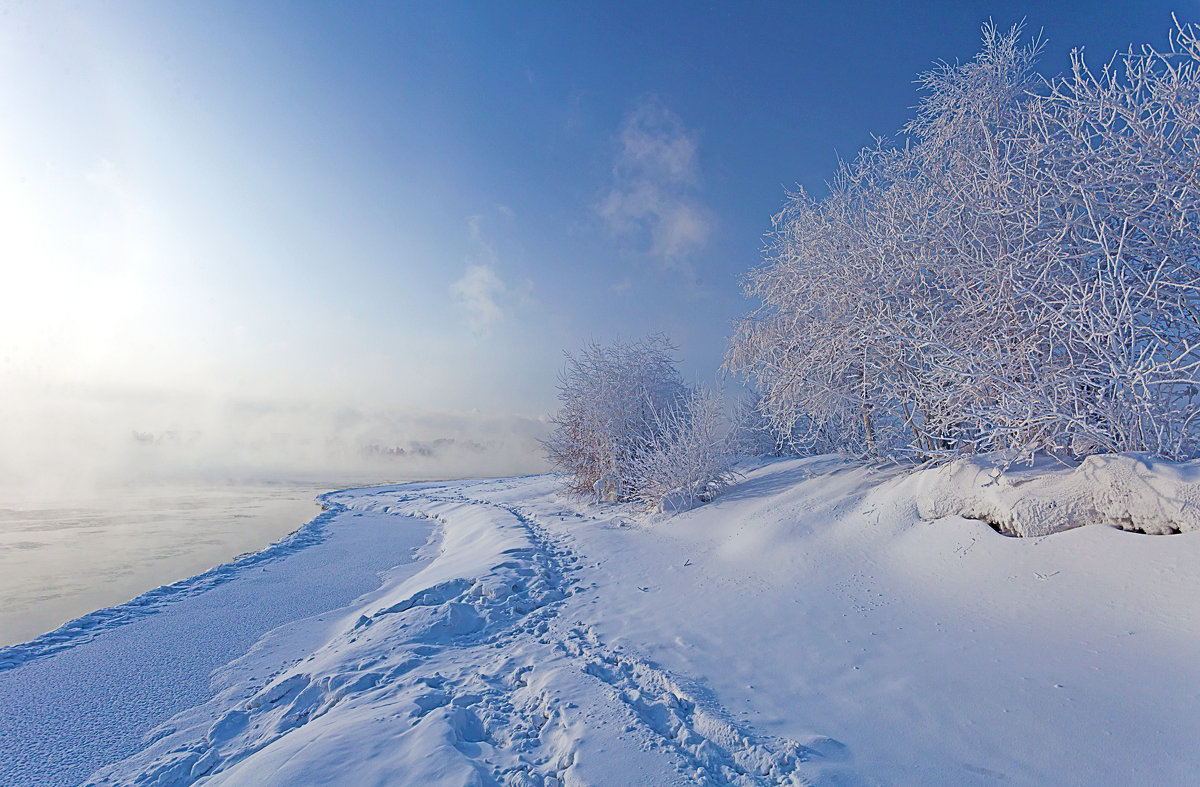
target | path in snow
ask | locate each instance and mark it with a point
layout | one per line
(474, 671)
(85, 695)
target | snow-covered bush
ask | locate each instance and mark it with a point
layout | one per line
(688, 457)
(1020, 274)
(752, 433)
(614, 401)
(630, 430)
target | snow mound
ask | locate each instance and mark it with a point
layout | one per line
(685, 498)
(1130, 491)
(607, 488)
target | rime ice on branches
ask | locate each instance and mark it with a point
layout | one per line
(1018, 273)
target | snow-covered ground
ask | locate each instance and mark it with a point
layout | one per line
(809, 627)
(85, 694)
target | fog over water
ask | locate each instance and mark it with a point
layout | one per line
(62, 441)
(105, 493)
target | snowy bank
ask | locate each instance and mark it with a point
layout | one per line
(812, 625)
(88, 693)
(1131, 491)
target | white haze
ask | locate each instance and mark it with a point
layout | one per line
(70, 442)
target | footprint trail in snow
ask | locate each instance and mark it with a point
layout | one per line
(474, 671)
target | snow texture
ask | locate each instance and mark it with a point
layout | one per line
(471, 674)
(810, 626)
(86, 694)
(1130, 491)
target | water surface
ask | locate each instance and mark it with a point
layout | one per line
(64, 558)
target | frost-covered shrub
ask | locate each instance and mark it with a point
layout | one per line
(630, 430)
(615, 400)
(688, 459)
(752, 432)
(1020, 274)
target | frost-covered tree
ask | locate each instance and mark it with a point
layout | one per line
(1021, 273)
(1124, 309)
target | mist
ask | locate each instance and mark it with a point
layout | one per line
(76, 441)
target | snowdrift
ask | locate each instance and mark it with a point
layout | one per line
(471, 675)
(1131, 491)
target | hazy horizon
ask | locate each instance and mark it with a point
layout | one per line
(298, 241)
(57, 437)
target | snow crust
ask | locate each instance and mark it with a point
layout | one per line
(1130, 491)
(87, 694)
(812, 625)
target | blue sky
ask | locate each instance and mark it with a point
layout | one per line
(419, 206)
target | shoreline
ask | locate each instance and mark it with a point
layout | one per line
(50, 592)
(86, 694)
(86, 627)
(62, 563)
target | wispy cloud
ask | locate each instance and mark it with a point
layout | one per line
(477, 293)
(480, 292)
(656, 179)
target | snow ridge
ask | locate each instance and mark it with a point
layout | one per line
(472, 673)
(89, 626)
(1132, 491)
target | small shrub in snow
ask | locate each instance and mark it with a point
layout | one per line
(689, 457)
(753, 434)
(614, 400)
(629, 430)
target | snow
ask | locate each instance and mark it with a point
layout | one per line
(821, 622)
(84, 695)
(1130, 491)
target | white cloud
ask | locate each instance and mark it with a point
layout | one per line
(477, 293)
(655, 180)
(481, 293)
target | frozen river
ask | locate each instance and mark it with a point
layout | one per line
(63, 559)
